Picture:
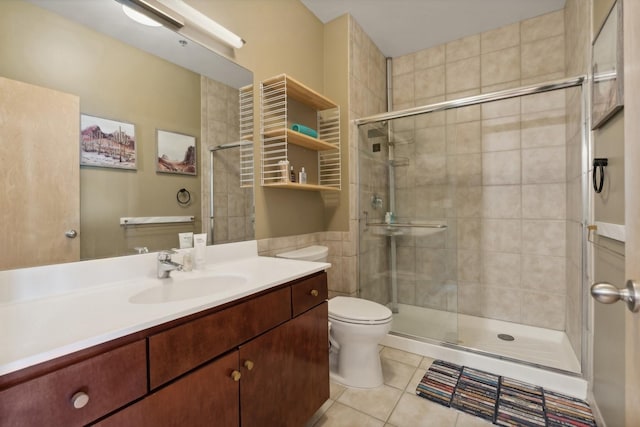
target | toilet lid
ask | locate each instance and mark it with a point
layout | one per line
(358, 310)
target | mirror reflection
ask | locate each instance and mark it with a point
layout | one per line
(63, 82)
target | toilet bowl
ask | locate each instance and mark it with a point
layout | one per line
(356, 328)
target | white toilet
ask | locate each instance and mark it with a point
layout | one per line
(356, 328)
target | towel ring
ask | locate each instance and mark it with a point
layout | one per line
(183, 197)
(599, 164)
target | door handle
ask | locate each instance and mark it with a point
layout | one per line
(607, 293)
(72, 234)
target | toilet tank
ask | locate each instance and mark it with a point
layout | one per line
(310, 253)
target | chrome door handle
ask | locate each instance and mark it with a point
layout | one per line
(72, 234)
(607, 293)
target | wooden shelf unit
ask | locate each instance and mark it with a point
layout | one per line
(277, 96)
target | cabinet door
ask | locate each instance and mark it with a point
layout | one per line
(289, 376)
(206, 397)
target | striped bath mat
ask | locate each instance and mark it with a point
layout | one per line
(501, 400)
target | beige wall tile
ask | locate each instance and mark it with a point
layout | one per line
(501, 168)
(464, 138)
(429, 82)
(502, 235)
(542, 57)
(469, 266)
(403, 64)
(543, 310)
(502, 303)
(433, 169)
(500, 38)
(500, 66)
(544, 273)
(543, 237)
(544, 201)
(544, 129)
(501, 269)
(501, 134)
(543, 165)
(542, 27)
(469, 202)
(463, 75)
(467, 169)
(469, 233)
(502, 108)
(462, 48)
(431, 57)
(403, 89)
(502, 202)
(430, 140)
(545, 101)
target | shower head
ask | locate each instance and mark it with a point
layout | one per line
(378, 131)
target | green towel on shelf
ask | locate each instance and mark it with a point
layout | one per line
(305, 130)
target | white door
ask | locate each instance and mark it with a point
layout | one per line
(632, 202)
(39, 175)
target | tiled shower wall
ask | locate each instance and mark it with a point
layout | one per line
(496, 174)
(233, 205)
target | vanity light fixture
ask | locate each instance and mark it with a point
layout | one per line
(203, 23)
(140, 18)
(182, 18)
(152, 13)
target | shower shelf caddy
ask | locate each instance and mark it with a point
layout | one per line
(246, 134)
(284, 101)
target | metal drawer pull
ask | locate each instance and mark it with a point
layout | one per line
(314, 293)
(248, 364)
(236, 375)
(607, 293)
(80, 400)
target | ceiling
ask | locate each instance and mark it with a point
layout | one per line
(399, 27)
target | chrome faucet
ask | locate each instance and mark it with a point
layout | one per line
(165, 266)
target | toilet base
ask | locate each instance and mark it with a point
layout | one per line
(356, 367)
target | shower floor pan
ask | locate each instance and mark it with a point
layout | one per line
(538, 346)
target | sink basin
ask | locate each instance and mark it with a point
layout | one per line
(176, 290)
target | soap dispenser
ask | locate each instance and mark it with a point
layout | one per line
(302, 178)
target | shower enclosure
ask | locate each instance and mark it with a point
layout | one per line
(471, 222)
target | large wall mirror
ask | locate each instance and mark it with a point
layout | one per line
(68, 64)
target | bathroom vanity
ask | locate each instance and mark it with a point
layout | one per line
(254, 359)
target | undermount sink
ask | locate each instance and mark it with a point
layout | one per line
(170, 290)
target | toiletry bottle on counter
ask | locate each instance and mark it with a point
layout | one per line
(293, 175)
(302, 177)
(200, 246)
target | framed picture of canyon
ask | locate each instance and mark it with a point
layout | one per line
(107, 143)
(607, 68)
(176, 153)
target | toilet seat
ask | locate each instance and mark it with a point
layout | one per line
(358, 311)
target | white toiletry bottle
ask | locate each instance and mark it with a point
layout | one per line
(302, 177)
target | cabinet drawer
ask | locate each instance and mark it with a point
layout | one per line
(180, 349)
(110, 380)
(308, 293)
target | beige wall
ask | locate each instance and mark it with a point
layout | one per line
(103, 73)
(283, 36)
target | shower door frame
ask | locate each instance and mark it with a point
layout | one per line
(565, 83)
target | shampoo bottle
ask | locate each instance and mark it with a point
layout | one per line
(302, 179)
(200, 247)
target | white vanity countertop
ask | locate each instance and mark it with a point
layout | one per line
(35, 330)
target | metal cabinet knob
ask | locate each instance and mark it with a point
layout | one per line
(607, 293)
(248, 364)
(314, 293)
(80, 400)
(72, 234)
(236, 375)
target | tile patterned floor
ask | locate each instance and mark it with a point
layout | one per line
(394, 404)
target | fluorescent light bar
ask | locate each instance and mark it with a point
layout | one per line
(153, 13)
(140, 18)
(203, 23)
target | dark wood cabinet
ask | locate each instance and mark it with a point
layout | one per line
(79, 393)
(206, 397)
(262, 360)
(285, 372)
